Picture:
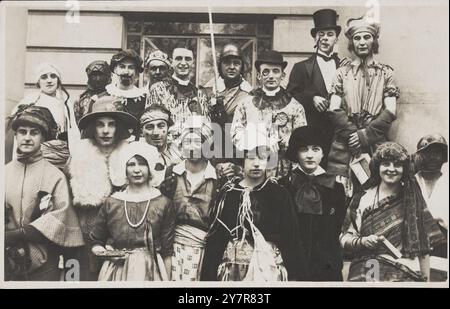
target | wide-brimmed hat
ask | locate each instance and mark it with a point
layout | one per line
(109, 106)
(271, 57)
(433, 139)
(126, 54)
(325, 19)
(302, 137)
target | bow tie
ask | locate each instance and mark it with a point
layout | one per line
(326, 58)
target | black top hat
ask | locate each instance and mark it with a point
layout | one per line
(302, 137)
(272, 57)
(325, 19)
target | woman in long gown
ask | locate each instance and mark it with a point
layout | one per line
(134, 228)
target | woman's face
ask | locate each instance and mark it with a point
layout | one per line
(137, 171)
(391, 172)
(48, 83)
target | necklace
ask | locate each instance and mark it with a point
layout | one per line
(133, 225)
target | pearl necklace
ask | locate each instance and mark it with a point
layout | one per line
(140, 221)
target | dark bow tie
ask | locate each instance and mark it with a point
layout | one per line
(326, 58)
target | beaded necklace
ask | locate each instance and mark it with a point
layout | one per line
(136, 225)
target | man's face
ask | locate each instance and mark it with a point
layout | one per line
(192, 146)
(182, 62)
(433, 158)
(231, 67)
(158, 70)
(326, 39)
(48, 83)
(309, 157)
(28, 139)
(98, 80)
(363, 44)
(105, 131)
(155, 133)
(270, 75)
(127, 72)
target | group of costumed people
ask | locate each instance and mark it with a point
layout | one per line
(137, 184)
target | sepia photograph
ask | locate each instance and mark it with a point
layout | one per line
(213, 143)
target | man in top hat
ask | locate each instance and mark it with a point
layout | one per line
(39, 218)
(155, 124)
(310, 80)
(363, 101)
(178, 94)
(158, 65)
(125, 67)
(99, 76)
(271, 109)
(319, 202)
(93, 166)
(432, 176)
(232, 90)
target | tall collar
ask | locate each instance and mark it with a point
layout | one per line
(29, 158)
(271, 93)
(319, 170)
(180, 81)
(209, 173)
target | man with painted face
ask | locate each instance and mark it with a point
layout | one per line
(432, 176)
(39, 218)
(363, 101)
(93, 167)
(319, 202)
(158, 65)
(99, 76)
(155, 124)
(178, 94)
(125, 67)
(310, 80)
(271, 109)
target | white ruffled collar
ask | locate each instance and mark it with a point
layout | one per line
(130, 93)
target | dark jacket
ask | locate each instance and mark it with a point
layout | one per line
(319, 233)
(305, 82)
(273, 215)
